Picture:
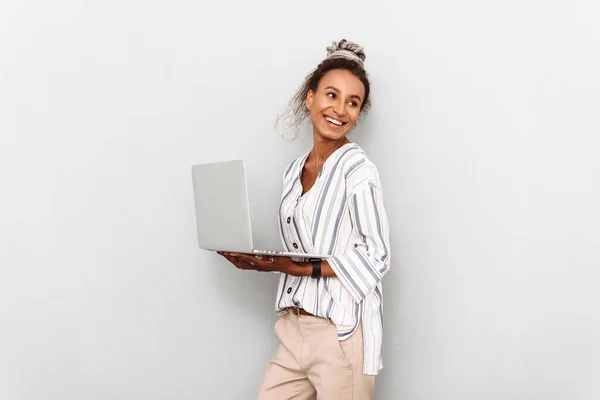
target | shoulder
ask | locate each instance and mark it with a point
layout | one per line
(359, 171)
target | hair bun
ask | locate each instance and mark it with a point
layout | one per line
(347, 46)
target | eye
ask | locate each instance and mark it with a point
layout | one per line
(331, 95)
(353, 104)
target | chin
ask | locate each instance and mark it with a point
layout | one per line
(333, 137)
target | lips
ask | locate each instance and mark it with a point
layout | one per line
(334, 122)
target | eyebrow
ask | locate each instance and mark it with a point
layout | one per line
(338, 91)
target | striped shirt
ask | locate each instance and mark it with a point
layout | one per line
(341, 215)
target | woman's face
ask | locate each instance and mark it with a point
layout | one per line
(335, 105)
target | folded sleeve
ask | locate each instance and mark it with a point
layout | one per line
(361, 268)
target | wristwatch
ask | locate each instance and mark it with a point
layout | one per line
(316, 268)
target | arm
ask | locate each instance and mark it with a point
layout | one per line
(359, 269)
(279, 264)
(363, 267)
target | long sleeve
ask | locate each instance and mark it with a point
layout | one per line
(361, 268)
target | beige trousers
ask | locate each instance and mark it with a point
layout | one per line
(311, 363)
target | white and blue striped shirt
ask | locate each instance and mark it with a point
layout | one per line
(342, 215)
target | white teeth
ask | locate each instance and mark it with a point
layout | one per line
(334, 121)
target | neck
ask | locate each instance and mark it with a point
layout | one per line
(322, 149)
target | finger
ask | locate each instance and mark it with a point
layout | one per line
(247, 265)
(257, 264)
(230, 256)
(246, 261)
(243, 258)
(250, 261)
(252, 258)
(226, 256)
(236, 262)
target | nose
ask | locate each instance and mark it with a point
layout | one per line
(339, 107)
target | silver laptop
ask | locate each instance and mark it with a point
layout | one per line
(223, 211)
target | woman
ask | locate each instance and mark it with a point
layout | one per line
(330, 325)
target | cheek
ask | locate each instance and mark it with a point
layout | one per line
(314, 117)
(321, 103)
(354, 115)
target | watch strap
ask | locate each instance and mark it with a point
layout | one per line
(316, 269)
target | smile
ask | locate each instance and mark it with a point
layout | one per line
(334, 121)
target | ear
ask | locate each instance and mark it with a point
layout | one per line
(309, 99)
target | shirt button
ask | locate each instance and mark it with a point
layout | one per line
(289, 220)
(289, 290)
(295, 245)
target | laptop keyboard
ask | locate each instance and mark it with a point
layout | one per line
(268, 252)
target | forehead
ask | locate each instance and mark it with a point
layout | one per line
(343, 80)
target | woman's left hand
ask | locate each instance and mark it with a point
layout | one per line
(259, 262)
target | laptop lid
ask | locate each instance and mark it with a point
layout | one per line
(222, 209)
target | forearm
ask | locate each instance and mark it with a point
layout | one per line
(305, 269)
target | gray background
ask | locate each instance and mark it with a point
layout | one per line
(485, 130)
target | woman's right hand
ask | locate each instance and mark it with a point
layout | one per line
(237, 261)
(265, 263)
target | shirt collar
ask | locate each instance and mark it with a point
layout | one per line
(328, 164)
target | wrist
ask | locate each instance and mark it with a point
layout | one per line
(305, 269)
(315, 268)
(299, 268)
